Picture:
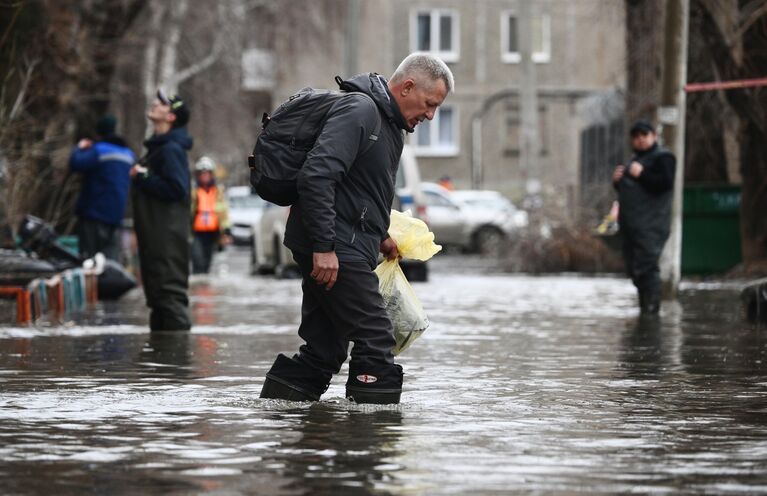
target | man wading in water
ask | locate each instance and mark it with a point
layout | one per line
(338, 226)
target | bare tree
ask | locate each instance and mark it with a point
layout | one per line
(737, 43)
(57, 57)
(163, 43)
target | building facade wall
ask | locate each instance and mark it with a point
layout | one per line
(587, 56)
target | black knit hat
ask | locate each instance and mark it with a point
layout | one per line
(106, 125)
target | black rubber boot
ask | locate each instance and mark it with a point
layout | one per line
(291, 380)
(279, 389)
(649, 303)
(374, 383)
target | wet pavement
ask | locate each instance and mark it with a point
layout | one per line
(544, 385)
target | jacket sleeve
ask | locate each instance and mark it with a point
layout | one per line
(84, 160)
(347, 128)
(169, 181)
(659, 177)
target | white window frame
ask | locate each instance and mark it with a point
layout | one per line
(434, 15)
(509, 57)
(436, 149)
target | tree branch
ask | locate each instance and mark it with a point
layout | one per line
(170, 51)
(17, 105)
(218, 46)
(9, 29)
(740, 100)
(150, 52)
(750, 20)
(184, 74)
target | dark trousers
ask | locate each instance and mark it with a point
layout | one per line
(95, 236)
(162, 230)
(641, 253)
(353, 311)
(204, 245)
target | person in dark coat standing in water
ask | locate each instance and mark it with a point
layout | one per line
(161, 214)
(338, 226)
(645, 190)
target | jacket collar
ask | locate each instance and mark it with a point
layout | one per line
(376, 87)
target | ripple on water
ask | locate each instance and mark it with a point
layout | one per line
(522, 384)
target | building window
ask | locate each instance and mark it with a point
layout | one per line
(438, 137)
(512, 142)
(541, 42)
(435, 31)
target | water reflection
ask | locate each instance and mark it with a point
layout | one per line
(644, 349)
(339, 448)
(522, 385)
(167, 353)
(204, 304)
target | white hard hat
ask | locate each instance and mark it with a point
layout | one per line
(205, 164)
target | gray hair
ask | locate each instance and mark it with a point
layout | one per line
(420, 65)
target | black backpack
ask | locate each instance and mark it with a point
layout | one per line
(288, 135)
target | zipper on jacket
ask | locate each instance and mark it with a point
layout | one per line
(361, 223)
(362, 218)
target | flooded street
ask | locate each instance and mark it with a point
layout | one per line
(522, 384)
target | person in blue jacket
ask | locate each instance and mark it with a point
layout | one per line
(105, 167)
(161, 215)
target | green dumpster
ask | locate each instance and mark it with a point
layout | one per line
(710, 228)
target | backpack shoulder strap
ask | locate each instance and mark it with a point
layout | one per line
(373, 138)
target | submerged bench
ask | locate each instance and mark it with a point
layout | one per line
(66, 292)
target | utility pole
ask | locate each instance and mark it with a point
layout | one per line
(528, 96)
(671, 115)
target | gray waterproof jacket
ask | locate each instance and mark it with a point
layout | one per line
(345, 196)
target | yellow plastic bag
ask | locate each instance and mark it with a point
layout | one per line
(414, 241)
(413, 238)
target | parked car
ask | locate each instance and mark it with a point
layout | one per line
(474, 221)
(410, 197)
(269, 255)
(498, 209)
(245, 210)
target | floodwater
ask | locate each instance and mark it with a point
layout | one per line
(543, 385)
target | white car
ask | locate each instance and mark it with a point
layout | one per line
(478, 221)
(269, 255)
(245, 210)
(409, 196)
(493, 207)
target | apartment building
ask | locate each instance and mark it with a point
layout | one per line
(514, 123)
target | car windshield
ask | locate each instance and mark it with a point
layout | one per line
(434, 199)
(246, 201)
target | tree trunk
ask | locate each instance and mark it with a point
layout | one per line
(59, 57)
(743, 59)
(753, 209)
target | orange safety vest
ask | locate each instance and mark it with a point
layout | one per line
(206, 219)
